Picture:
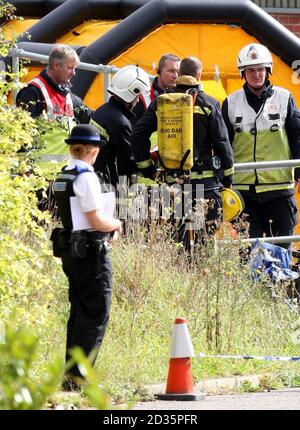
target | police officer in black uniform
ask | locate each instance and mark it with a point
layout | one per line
(82, 244)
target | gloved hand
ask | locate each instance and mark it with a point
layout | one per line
(149, 172)
(297, 173)
(227, 181)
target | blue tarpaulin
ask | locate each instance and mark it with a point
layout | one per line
(272, 260)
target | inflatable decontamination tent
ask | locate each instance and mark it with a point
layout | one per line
(122, 32)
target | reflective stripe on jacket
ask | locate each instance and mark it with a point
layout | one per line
(261, 137)
(57, 104)
(59, 110)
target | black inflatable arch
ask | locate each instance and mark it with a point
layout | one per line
(140, 17)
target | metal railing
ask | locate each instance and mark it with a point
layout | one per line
(269, 165)
(16, 54)
(274, 240)
(266, 165)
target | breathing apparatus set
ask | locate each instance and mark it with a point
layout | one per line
(175, 147)
(175, 138)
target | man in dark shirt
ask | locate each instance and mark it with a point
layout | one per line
(167, 73)
(50, 90)
(49, 93)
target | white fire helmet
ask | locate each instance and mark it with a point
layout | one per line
(129, 82)
(254, 54)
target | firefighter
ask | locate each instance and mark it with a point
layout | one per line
(263, 124)
(211, 149)
(165, 81)
(82, 244)
(113, 121)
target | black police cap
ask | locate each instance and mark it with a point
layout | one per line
(86, 134)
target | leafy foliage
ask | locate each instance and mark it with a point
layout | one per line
(19, 387)
(7, 11)
(22, 389)
(95, 393)
(25, 255)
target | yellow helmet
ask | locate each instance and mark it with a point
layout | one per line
(233, 204)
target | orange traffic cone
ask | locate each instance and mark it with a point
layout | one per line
(180, 380)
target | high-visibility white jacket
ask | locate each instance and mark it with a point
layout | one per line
(261, 137)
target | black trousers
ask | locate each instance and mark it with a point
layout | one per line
(90, 299)
(212, 217)
(276, 217)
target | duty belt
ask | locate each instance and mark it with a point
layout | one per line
(93, 235)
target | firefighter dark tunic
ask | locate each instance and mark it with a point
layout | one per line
(116, 159)
(210, 140)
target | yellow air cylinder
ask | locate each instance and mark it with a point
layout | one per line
(175, 130)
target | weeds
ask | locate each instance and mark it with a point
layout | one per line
(227, 313)
(247, 387)
(154, 283)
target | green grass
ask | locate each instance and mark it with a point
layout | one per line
(225, 311)
(153, 284)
